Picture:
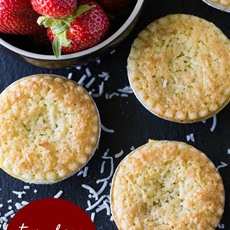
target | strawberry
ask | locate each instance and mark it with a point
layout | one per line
(18, 17)
(85, 28)
(54, 8)
(114, 6)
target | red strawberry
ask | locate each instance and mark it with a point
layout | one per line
(54, 8)
(85, 28)
(114, 6)
(18, 17)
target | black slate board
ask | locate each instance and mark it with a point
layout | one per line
(127, 123)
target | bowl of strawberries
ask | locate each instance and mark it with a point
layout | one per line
(57, 34)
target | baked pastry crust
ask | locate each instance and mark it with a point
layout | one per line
(167, 185)
(179, 68)
(49, 128)
(223, 5)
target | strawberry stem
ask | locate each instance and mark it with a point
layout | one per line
(59, 27)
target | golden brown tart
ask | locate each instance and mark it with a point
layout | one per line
(165, 185)
(179, 68)
(49, 128)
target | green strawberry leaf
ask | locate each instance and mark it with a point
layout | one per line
(59, 41)
(57, 29)
(63, 39)
(45, 21)
(81, 9)
(51, 22)
(59, 26)
(56, 46)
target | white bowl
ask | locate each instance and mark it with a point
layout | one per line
(12, 43)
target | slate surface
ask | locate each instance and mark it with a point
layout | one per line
(126, 124)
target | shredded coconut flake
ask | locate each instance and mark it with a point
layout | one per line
(88, 72)
(95, 94)
(214, 123)
(124, 95)
(18, 206)
(9, 213)
(107, 207)
(119, 154)
(24, 202)
(132, 148)
(221, 226)
(126, 89)
(190, 137)
(93, 216)
(104, 206)
(58, 194)
(83, 172)
(96, 203)
(91, 190)
(3, 219)
(112, 95)
(5, 226)
(107, 129)
(111, 170)
(78, 67)
(70, 75)
(222, 165)
(113, 51)
(102, 167)
(88, 203)
(19, 194)
(26, 187)
(165, 83)
(104, 75)
(102, 188)
(101, 88)
(90, 82)
(182, 86)
(82, 79)
(100, 208)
